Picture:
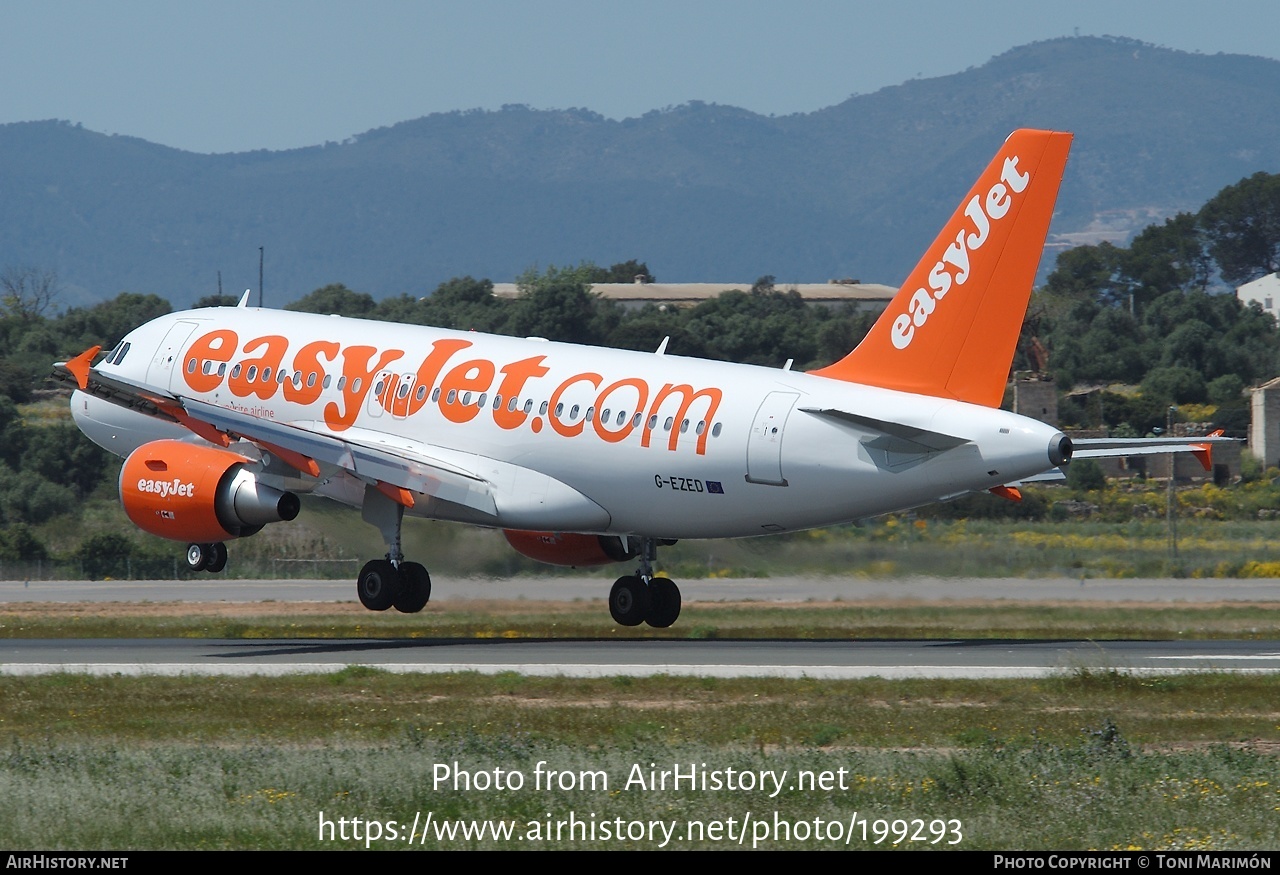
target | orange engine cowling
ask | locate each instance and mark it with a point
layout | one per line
(198, 494)
(570, 548)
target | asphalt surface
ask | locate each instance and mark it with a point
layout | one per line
(211, 589)
(607, 658)
(595, 658)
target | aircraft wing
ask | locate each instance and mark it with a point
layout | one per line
(144, 399)
(457, 484)
(1111, 448)
(402, 463)
(404, 467)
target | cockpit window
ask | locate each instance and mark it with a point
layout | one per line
(119, 354)
(111, 356)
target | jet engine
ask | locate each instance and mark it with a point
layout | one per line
(198, 494)
(571, 548)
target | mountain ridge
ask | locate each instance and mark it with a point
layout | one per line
(700, 191)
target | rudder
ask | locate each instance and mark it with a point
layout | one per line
(952, 328)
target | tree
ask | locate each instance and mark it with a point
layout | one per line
(1242, 224)
(215, 301)
(335, 298)
(108, 322)
(557, 305)
(13, 434)
(623, 272)
(1165, 258)
(26, 292)
(463, 303)
(18, 544)
(1087, 273)
(105, 555)
(1177, 385)
(1085, 475)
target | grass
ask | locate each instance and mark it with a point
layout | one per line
(127, 763)
(1219, 537)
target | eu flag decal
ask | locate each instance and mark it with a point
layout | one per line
(714, 487)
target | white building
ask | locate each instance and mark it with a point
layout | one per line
(1265, 291)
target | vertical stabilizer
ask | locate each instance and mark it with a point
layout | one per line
(952, 328)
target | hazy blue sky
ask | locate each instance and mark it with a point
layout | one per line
(234, 75)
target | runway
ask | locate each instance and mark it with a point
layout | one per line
(637, 658)
(796, 588)
(978, 658)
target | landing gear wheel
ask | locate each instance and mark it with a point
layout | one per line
(217, 558)
(415, 588)
(197, 557)
(378, 585)
(629, 601)
(664, 603)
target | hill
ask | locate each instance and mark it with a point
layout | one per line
(699, 191)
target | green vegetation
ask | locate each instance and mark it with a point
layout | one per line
(1144, 315)
(1181, 762)
(1138, 319)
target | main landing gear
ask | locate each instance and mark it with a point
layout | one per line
(207, 557)
(641, 597)
(386, 583)
(391, 582)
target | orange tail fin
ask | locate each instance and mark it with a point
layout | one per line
(952, 328)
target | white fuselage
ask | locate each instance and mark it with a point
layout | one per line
(575, 438)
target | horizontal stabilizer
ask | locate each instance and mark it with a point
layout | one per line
(924, 440)
(1113, 448)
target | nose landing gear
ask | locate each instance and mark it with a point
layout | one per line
(207, 557)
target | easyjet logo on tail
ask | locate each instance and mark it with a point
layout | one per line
(951, 330)
(952, 269)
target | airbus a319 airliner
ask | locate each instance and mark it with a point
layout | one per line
(585, 455)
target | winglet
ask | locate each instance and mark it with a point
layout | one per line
(1204, 452)
(244, 299)
(952, 328)
(79, 366)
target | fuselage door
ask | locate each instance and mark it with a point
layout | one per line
(764, 447)
(161, 370)
(383, 389)
(400, 400)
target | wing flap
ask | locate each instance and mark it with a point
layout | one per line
(408, 465)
